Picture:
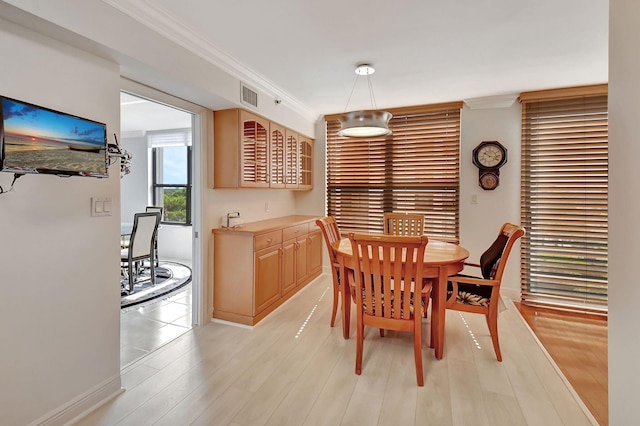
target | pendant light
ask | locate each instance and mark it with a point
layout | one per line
(364, 123)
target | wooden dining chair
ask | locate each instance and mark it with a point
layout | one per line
(331, 234)
(406, 224)
(383, 288)
(482, 294)
(403, 224)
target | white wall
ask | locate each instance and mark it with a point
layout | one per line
(479, 223)
(134, 188)
(59, 322)
(624, 210)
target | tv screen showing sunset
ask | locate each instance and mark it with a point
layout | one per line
(38, 139)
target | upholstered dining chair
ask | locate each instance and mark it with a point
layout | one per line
(403, 224)
(158, 209)
(383, 288)
(482, 294)
(141, 246)
(331, 234)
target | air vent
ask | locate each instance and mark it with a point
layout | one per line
(249, 96)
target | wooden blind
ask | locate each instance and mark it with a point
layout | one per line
(416, 169)
(564, 199)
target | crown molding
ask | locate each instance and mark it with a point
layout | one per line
(162, 22)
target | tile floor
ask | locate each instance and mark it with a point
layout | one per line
(146, 327)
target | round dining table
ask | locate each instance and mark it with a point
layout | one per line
(441, 260)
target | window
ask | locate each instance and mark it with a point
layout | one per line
(564, 198)
(415, 169)
(172, 174)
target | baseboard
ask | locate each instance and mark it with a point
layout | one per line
(83, 404)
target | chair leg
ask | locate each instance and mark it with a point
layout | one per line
(417, 349)
(336, 290)
(152, 267)
(492, 322)
(359, 343)
(130, 277)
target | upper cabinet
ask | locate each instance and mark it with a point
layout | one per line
(293, 160)
(277, 156)
(253, 152)
(305, 157)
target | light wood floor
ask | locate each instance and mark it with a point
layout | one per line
(293, 369)
(578, 345)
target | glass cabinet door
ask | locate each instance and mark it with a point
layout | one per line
(277, 154)
(292, 168)
(254, 151)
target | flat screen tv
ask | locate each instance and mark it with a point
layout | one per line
(35, 139)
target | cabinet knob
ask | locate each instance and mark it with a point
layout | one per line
(269, 240)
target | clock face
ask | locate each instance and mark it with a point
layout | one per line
(489, 181)
(490, 156)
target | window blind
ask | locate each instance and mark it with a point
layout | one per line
(415, 169)
(174, 137)
(564, 198)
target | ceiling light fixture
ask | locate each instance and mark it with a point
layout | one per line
(364, 123)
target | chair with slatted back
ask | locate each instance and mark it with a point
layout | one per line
(383, 288)
(482, 294)
(403, 224)
(331, 234)
(406, 224)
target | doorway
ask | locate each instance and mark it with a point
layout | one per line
(162, 138)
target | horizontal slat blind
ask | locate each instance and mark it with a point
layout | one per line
(564, 202)
(416, 169)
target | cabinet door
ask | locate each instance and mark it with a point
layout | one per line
(288, 266)
(267, 278)
(302, 263)
(315, 252)
(254, 151)
(305, 179)
(277, 156)
(292, 166)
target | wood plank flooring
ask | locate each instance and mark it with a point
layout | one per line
(293, 369)
(578, 345)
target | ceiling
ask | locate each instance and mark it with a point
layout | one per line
(424, 51)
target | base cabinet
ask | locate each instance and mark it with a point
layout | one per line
(267, 278)
(288, 266)
(259, 266)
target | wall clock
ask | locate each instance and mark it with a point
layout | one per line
(488, 157)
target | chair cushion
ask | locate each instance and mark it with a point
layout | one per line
(364, 303)
(489, 259)
(471, 294)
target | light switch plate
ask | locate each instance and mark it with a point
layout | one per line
(100, 206)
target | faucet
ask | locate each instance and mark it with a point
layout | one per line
(232, 215)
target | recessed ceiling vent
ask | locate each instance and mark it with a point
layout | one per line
(249, 96)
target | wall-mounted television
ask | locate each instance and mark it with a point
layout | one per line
(35, 139)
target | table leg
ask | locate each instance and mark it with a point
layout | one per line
(346, 298)
(438, 312)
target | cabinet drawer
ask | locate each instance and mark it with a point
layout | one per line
(295, 231)
(267, 239)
